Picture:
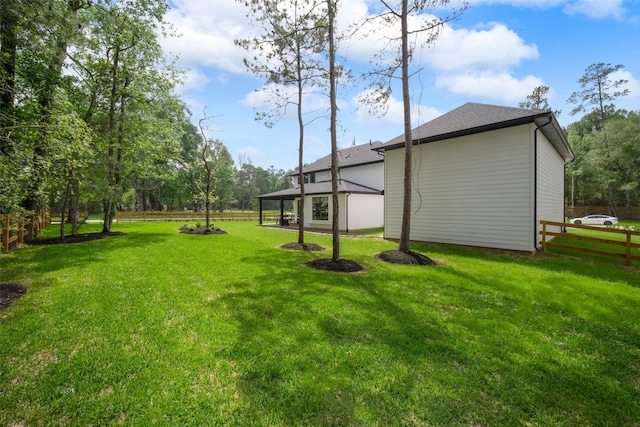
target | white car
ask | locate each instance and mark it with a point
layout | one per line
(595, 220)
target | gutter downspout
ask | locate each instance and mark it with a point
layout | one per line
(346, 211)
(564, 198)
(535, 183)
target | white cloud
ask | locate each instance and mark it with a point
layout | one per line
(266, 97)
(597, 9)
(250, 152)
(495, 48)
(207, 30)
(488, 84)
(394, 111)
(194, 80)
(629, 102)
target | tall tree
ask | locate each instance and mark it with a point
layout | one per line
(331, 37)
(287, 54)
(208, 161)
(598, 93)
(130, 100)
(46, 80)
(538, 100)
(397, 16)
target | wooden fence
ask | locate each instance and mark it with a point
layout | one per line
(626, 242)
(17, 228)
(186, 216)
(56, 216)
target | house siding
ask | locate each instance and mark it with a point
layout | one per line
(370, 175)
(473, 190)
(357, 212)
(550, 197)
(363, 211)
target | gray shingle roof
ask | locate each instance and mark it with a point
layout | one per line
(354, 155)
(472, 118)
(323, 187)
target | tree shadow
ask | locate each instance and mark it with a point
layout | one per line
(323, 348)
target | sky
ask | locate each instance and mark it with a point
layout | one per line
(497, 52)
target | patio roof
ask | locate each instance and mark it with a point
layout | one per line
(323, 187)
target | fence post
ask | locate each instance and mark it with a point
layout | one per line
(6, 224)
(628, 249)
(21, 225)
(33, 226)
(544, 236)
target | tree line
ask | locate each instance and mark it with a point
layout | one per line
(90, 120)
(605, 141)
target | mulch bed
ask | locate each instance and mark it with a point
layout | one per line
(341, 265)
(9, 293)
(185, 229)
(302, 247)
(80, 238)
(410, 258)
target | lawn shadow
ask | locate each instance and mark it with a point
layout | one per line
(327, 348)
(334, 349)
(41, 259)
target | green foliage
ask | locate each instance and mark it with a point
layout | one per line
(158, 327)
(598, 90)
(605, 174)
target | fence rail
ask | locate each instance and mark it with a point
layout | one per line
(626, 243)
(17, 228)
(134, 216)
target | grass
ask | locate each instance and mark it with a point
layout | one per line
(156, 327)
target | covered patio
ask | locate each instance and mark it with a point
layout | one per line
(282, 195)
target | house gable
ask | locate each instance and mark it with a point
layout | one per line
(472, 118)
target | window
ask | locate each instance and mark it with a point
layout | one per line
(309, 178)
(320, 208)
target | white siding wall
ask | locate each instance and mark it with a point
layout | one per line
(371, 175)
(323, 176)
(474, 190)
(550, 185)
(363, 211)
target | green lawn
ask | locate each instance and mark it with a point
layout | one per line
(160, 328)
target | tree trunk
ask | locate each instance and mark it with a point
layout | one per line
(300, 157)
(110, 200)
(65, 206)
(75, 205)
(408, 142)
(334, 137)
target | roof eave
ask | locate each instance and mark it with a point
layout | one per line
(469, 131)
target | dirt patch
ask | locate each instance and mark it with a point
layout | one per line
(406, 258)
(185, 229)
(341, 265)
(80, 238)
(302, 247)
(9, 293)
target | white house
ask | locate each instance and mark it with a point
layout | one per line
(483, 175)
(360, 190)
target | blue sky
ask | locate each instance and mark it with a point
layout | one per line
(496, 53)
